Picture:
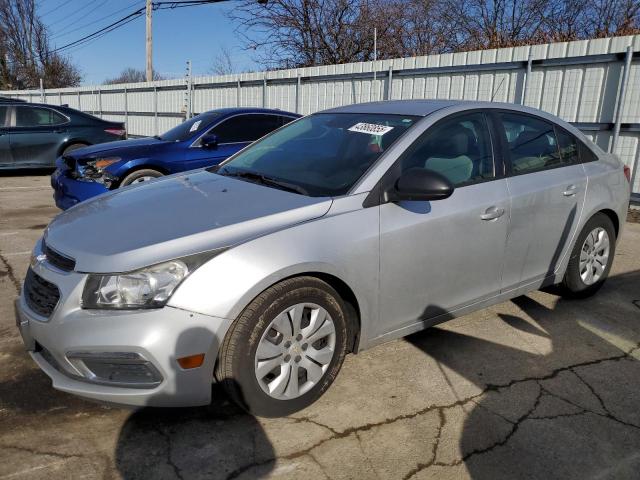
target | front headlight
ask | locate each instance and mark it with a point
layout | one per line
(99, 164)
(94, 170)
(149, 287)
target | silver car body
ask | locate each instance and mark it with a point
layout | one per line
(407, 266)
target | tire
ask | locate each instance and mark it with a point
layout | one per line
(237, 363)
(74, 146)
(574, 285)
(140, 176)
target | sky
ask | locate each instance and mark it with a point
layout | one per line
(196, 33)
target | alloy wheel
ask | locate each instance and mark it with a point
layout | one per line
(594, 256)
(295, 351)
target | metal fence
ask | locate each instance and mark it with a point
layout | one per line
(594, 84)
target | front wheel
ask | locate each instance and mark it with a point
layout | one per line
(591, 258)
(285, 349)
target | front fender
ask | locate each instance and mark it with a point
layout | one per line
(344, 245)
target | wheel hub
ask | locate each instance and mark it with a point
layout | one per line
(295, 351)
(594, 256)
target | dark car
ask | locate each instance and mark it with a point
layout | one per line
(33, 135)
(204, 140)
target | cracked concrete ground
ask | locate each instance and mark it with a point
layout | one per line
(539, 387)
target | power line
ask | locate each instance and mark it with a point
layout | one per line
(85, 43)
(160, 5)
(80, 10)
(109, 28)
(58, 7)
(65, 32)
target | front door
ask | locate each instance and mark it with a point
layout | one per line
(36, 136)
(437, 257)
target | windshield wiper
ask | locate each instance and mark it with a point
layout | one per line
(265, 180)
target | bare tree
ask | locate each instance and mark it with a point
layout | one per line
(223, 63)
(297, 33)
(481, 24)
(132, 75)
(614, 17)
(26, 52)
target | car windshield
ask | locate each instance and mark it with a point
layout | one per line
(320, 155)
(189, 127)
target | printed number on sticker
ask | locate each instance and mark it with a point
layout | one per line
(370, 128)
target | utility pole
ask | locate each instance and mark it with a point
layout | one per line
(149, 42)
(188, 93)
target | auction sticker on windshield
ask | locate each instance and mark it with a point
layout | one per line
(370, 128)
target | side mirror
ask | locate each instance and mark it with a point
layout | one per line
(421, 185)
(210, 141)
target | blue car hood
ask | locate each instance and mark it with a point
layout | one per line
(121, 148)
(173, 217)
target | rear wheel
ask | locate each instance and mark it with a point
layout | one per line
(74, 146)
(591, 258)
(285, 349)
(140, 176)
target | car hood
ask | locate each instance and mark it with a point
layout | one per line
(126, 148)
(173, 217)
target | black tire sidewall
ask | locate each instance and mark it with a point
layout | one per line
(251, 396)
(572, 280)
(74, 146)
(131, 177)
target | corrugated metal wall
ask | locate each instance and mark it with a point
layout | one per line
(579, 81)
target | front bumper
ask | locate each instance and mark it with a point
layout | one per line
(158, 336)
(67, 191)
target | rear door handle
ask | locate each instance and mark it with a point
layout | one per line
(492, 213)
(570, 191)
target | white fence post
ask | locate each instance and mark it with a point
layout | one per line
(620, 97)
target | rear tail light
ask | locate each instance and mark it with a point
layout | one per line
(120, 132)
(627, 173)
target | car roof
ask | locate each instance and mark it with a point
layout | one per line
(235, 110)
(423, 108)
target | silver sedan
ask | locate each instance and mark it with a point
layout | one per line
(345, 229)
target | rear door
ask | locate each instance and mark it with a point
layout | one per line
(547, 185)
(36, 135)
(233, 134)
(5, 146)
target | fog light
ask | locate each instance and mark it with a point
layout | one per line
(123, 369)
(192, 361)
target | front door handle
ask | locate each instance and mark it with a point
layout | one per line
(570, 191)
(492, 213)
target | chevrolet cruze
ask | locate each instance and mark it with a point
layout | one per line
(338, 232)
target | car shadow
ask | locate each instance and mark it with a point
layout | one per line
(562, 405)
(216, 441)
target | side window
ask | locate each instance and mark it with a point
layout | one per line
(4, 121)
(586, 155)
(246, 128)
(532, 143)
(459, 148)
(37, 117)
(568, 147)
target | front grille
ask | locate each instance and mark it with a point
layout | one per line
(58, 260)
(41, 296)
